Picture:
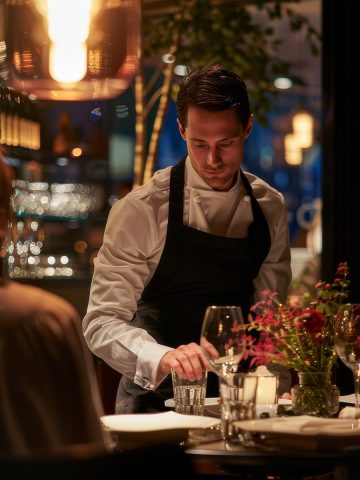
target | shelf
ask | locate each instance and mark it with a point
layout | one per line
(52, 218)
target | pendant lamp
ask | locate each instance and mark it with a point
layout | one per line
(69, 49)
(302, 137)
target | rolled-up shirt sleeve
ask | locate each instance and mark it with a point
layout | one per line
(122, 268)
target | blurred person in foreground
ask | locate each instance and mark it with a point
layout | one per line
(49, 400)
(200, 233)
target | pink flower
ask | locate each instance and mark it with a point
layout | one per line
(299, 334)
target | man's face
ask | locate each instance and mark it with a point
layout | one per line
(215, 143)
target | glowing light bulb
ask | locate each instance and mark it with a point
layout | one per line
(68, 27)
(75, 49)
(303, 125)
(293, 152)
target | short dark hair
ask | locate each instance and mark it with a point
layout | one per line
(213, 88)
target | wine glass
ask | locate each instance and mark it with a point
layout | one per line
(347, 343)
(222, 337)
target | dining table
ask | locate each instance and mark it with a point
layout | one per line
(314, 456)
(222, 459)
(280, 455)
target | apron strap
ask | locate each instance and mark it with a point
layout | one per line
(176, 196)
(260, 239)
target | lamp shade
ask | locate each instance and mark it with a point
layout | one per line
(69, 49)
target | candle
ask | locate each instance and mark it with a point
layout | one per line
(267, 386)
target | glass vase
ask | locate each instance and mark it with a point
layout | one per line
(315, 395)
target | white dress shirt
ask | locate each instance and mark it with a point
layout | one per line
(133, 242)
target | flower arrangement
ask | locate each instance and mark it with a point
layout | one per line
(299, 334)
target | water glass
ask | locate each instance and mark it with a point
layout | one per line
(189, 395)
(238, 402)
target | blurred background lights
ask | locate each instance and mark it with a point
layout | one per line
(68, 29)
(34, 225)
(62, 161)
(95, 114)
(302, 137)
(49, 271)
(168, 58)
(51, 260)
(303, 126)
(122, 111)
(89, 49)
(71, 200)
(80, 246)
(293, 152)
(283, 83)
(31, 260)
(181, 70)
(35, 248)
(76, 152)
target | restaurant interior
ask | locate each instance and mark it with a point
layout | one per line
(81, 160)
(75, 152)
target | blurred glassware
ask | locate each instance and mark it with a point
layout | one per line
(238, 402)
(347, 344)
(67, 200)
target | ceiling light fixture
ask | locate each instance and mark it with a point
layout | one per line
(283, 83)
(302, 137)
(69, 49)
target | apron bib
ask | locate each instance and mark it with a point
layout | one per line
(196, 269)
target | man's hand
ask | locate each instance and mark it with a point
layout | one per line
(187, 360)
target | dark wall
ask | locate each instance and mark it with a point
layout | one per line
(340, 141)
(340, 152)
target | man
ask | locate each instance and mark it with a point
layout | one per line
(200, 233)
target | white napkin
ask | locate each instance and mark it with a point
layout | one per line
(348, 398)
(349, 412)
(303, 425)
(309, 425)
(145, 422)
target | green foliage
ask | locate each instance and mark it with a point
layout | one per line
(238, 34)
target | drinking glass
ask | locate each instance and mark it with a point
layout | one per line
(222, 337)
(189, 395)
(347, 344)
(238, 402)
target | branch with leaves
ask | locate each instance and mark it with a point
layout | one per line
(237, 34)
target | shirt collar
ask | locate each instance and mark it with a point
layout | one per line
(193, 179)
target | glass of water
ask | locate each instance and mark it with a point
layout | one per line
(189, 395)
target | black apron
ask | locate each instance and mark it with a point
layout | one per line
(196, 269)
